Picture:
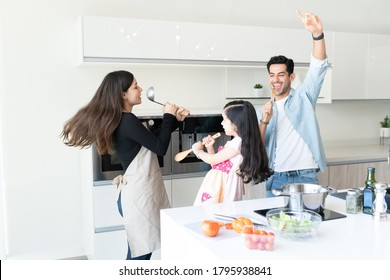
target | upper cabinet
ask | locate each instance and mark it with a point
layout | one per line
(360, 65)
(115, 39)
(110, 39)
(292, 43)
(378, 66)
(350, 66)
(217, 42)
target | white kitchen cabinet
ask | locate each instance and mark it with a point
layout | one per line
(127, 38)
(111, 245)
(354, 174)
(378, 66)
(292, 43)
(109, 236)
(350, 66)
(184, 191)
(360, 66)
(296, 44)
(168, 189)
(200, 41)
(105, 206)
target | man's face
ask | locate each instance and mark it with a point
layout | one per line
(280, 81)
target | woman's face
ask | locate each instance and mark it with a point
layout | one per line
(228, 126)
(132, 96)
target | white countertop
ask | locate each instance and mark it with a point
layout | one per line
(355, 153)
(352, 238)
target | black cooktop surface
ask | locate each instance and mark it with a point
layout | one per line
(326, 214)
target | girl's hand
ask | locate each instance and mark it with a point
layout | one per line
(181, 114)
(208, 141)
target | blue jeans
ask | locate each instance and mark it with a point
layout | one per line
(279, 179)
(143, 257)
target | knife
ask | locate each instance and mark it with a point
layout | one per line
(229, 218)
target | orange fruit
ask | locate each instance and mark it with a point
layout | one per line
(240, 222)
(210, 228)
(247, 229)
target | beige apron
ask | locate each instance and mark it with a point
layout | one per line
(142, 196)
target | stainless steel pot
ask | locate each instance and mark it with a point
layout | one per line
(305, 196)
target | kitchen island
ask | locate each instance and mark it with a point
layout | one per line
(355, 237)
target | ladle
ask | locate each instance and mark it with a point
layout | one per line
(150, 95)
(180, 156)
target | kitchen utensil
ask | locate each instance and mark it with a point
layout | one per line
(150, 95)
(230, 218)
(180, 156)
(305, 196)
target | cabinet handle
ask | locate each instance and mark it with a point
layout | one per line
(388, 160)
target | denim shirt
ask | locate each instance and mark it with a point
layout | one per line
(300, 110)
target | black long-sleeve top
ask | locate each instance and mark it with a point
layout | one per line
(131, 135)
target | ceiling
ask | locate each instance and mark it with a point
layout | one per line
(362, 16)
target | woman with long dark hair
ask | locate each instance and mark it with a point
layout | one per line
(107, 122)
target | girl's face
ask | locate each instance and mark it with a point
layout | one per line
(132, 96)
(228, 126)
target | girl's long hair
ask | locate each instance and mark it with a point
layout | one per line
(95, 123)
(254, 166)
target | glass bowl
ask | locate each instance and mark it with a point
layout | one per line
(293, 224)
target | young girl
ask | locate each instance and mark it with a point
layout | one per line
(242, 160)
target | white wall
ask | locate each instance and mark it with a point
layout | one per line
(2, 187)
(42, 86)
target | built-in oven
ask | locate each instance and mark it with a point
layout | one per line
(193, 128)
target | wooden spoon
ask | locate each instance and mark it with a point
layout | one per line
(180, 156)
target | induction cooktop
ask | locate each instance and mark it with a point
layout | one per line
(326, 214)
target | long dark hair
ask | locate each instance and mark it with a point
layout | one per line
(95, 123)
(254, 166)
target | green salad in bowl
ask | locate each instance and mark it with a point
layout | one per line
(294, 224)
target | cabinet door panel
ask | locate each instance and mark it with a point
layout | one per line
(378, 64)
(292, 43)
(105, 207)
(200, 41)
(184, 191)
(323, 178)
(105, 37)
(354, 175)
(110, 245)
(349, 66)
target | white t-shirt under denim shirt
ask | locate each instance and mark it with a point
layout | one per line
(293, 153)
